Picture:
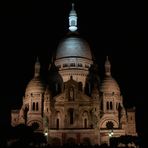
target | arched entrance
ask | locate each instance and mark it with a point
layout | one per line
(55, 141)
(86, 141)
(71, 141)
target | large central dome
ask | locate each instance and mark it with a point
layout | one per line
(73, 47)
(73, 55)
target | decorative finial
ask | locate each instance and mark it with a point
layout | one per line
(73, 6)
(37, 59)
(72, 19)
(107, 58)
(107, 67)
(37, 68)
(71, 77)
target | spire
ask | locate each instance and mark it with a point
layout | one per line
(37, 68)
(107, 67)
(72, 19)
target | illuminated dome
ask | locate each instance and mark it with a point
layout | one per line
(36, 85)
(109, 85)
(73, 47)
(73, 54)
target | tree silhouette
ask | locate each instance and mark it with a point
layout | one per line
(25, 114)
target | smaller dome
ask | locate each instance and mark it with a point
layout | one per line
(36, 85)
(109, 85)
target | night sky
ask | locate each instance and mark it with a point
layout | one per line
(116, 29)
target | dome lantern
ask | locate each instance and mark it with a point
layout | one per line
(72, 19)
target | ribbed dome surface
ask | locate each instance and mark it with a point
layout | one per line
(35, 85)
(109, 85)
(73, 47)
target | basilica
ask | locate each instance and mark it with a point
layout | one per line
(73, 104)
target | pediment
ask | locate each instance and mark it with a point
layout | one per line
(84, 98)
(60, 98)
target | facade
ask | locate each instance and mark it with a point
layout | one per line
(73, 105)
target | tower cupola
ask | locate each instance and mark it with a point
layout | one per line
(72, 19)
(107, 67)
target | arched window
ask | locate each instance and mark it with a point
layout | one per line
(80, 86)
(73, 23)
(65, 65)
(109, 125)
(86, 66)
(107, 106)
(71, 94)
(71, 116)
(111, 105)
(85, 123)
(59, 66)
(57, 124)
(35, 125)
(79, 65)
(33, 106)
(119, 105)
(116, 106)
(27, 106)
(72, 64)
(37, 106)
(101, 105)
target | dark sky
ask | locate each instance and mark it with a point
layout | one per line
(117, 29)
